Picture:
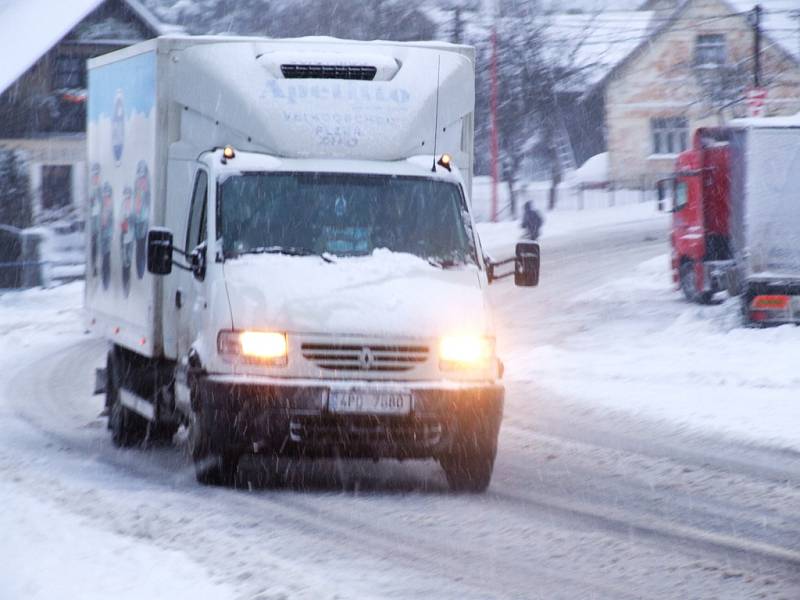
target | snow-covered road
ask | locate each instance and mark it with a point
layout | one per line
(588, 501)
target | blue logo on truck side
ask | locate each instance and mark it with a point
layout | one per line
(118, 128)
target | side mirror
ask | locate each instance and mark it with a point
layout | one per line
(197, 259)
(526, 264)
(159, 251)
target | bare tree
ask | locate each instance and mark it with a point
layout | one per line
(537, 70)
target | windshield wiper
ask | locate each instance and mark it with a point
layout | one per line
(289, 251)
(443, 263)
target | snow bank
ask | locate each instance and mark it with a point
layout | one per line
(594, 170)
(640, 348)
(47, 554)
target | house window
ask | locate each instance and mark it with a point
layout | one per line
(56, 186)
(709, 50)
(70, 72)
(670, 134)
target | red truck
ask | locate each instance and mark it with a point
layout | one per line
(736, 217)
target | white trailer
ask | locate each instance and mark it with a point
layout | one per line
(765, 216)
(328, 293)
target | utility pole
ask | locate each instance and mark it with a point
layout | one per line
(755, 21)
(495, 150)
(796, 15)
(457, 25)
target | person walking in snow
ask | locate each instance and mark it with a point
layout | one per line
(531, 221)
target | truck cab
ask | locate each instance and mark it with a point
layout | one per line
(700, 236)
(334, 312)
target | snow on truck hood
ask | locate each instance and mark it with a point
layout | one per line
(384, 294)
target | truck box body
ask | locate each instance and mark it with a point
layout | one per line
(765, 201)
(126, 149)
(156, 106)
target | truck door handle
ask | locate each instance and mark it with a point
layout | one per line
(178, 299)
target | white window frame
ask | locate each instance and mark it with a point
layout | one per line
(669, 135)
(709, 50)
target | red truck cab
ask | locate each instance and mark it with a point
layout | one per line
(700, 236)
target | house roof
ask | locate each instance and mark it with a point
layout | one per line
(777, 26)
(28, 36)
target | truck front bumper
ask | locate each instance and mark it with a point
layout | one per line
(292, 417)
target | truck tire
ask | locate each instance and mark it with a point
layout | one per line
(127, 428)
(212, 465)
(689, 284)
(469, 465)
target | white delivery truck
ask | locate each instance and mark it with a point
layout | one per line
(284, 259)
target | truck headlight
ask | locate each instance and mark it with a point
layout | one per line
(268, 347)
(465, 352)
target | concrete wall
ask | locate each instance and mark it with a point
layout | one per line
(661, 81)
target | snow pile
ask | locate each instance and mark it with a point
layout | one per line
(640, 348)
(47, 553)
(31, 316)
(594, 170)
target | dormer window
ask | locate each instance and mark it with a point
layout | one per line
(709, 50)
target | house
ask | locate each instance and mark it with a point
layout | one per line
(693, 68)
(43, 88)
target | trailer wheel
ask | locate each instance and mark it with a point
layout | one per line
(689, 284)
(212, 465)
(127, 428)
(469, 465)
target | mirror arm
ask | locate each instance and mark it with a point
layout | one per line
(500, 263)
(180, 266)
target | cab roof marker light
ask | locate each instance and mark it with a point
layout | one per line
(227, 154)
(445, 161)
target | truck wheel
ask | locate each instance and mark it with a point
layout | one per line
(161, 433)
(689, 284)
(212, 466)
(469, 465)
(127, 428)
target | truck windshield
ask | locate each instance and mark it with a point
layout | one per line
(343, 215)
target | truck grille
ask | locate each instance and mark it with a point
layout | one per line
(366, 431)
(371, 357)
(361, 72)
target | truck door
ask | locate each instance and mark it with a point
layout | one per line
(687, 218)
(192, 288)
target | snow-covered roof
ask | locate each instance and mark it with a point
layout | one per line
(30, 28)
(778, 26)
(599, 41)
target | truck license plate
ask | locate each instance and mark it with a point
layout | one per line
(369, 402)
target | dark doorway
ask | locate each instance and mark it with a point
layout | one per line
(56, 186)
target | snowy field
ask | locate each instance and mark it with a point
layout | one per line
(640, 348)
(48, 552)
